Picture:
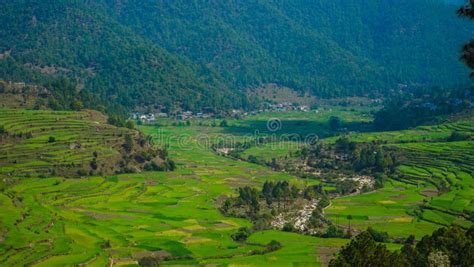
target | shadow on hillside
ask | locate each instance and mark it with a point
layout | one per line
(296, 128)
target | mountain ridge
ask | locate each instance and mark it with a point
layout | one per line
(190, 55)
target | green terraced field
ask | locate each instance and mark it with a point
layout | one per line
(101, 220)
(389, 209)
(446, 165)
(437, 175)
(418, 134)
(27, 151)
(54, 221)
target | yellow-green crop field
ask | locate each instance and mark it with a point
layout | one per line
(115, 220)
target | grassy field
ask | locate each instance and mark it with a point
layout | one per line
(301, 123)
(413, 202)
(117, 219)
(55, 221)
(269, 151)
(390, 209)
(434, 174)
(418, 134)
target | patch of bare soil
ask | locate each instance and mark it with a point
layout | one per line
(223, 225)
(103, 216)
(325, 254)
(139, 211)
(236, 182)
(218, 201)
(155, 254)
(430, 193)
(96, 116)
(374, 218)
(401, 196)
(400, 188)
(151, 182)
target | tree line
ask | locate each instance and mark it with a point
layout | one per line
(451, 246)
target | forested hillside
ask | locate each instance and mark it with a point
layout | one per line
(195, 54)
(328, 47)
(70, 38)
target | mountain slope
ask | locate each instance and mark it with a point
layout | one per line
(43, 143)
(194, 54)
(330, 47)
(69, 38)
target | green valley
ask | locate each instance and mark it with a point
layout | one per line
(237, 133)
(174, 215)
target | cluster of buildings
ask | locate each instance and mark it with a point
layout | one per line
(286, 106)
(150, 117)
(181, 116)
(186, 115)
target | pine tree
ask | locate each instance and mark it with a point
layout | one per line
(468, 50)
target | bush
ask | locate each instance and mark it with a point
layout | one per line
(128, 145)
(242, 234)
(378, 236)
(315, 220)
(171, 165)
(149, 262)
(288, 227)
(51, 139)
(410, 240)
(77, 105)
(82, 173)
(334, 123)
(130, 124)
(94, 164)
(252, 159)
(152, 166)
(334, 231)
(458, 136)
(262, 222)
(273, 246)
(224, 124)
(116, 120)
(106, 245)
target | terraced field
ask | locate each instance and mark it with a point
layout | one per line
(434, 186)
(418, 134)
(390, 209)
(44, 143)
(448, 166)
(118, 219)
(54, 221)
(413, 202)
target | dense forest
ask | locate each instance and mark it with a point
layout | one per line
(330, 48)
(181, 54)
(415, 105)
(98, 55)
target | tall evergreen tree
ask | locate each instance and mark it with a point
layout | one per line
(468, 50)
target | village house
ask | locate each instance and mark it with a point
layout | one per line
(148, 118)
(144, 118)
(305, 108)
